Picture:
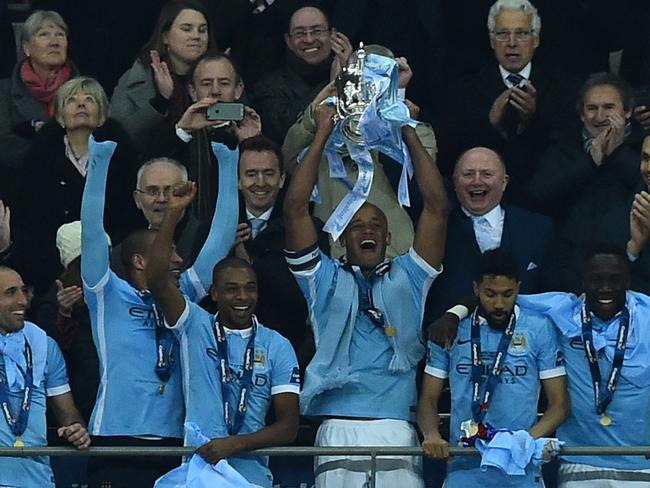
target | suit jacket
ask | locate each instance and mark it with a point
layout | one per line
(525, 234)
(469, 124)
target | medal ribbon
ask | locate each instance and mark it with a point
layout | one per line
(604, 393)
(165, 340)
(234, 424)
(364, 287)
(480, 408)
(18, 424)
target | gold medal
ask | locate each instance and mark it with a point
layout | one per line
(605, 420)
(390, 330)
(161, 388)
(19, 442)
(473, 429)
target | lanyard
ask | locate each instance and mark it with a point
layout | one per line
(364, 287)
(603, 393)
(165, 340)
(234, 424)
(18, 424)
(479, 409)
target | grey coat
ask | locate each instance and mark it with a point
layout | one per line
(130, 104)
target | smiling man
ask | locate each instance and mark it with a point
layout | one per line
(604, 338)
(587, 180)
(140, 401)
(32, 372)
(366, 314)
(234, 367)
(311, 50)
(281, 305)
(482, 222)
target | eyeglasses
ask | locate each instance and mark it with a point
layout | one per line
(155, 191)
(300, 34)
(504, 36)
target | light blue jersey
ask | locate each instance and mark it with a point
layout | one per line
(35, 471)
(628, 410)
(275, 371)
(131, 399)
(361, 369)
(533, 355)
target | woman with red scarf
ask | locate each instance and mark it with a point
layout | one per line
(154, 90)
(27, 98)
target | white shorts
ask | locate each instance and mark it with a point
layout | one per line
(574, 475)
(354, 471)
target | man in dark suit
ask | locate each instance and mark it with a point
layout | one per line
(280, 305)
(480, 223)
(513, 105)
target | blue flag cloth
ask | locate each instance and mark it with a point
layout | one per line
(511, 452)
(198, 473)
(564, 310)
(380, 126)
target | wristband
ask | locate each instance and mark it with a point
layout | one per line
(460, 311)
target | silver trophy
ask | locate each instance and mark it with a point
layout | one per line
(353, 95)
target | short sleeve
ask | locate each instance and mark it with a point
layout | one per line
(56, 378)
(285, 375)
(421, 274)
(437, 361)
(550, 360)
(315, 273)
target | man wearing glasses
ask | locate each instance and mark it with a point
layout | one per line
(515, 106)
(311, 45)
(155, 179)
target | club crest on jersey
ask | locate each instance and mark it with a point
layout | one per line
(517, 343)
(260, 358)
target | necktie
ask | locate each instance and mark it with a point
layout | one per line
(516, 80)
(256, 226)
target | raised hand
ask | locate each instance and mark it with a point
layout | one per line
(5, 227)
(182, 195)
(342, 49)
(639, 223)
(195, 117)
(249, 126)
(161, 75)
(66, 297)
(404, 72)
(524, 100)
(324, 119)
(497, 111)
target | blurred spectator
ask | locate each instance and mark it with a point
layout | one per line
(280, 304)
(154, 90)
(151, 194)
(32, 371)
(63, 314)
(54, 175)
(213, 79)
(481, 222)
(311, 44)
(514, 105)
(383, 192)
(412, 28)
(586, 181)
(27, 98)
(5, 233)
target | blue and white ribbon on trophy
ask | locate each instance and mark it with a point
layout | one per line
(380, 126)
